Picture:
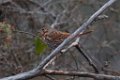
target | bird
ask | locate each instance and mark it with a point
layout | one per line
(53, 37)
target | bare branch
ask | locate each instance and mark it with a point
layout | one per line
(82, 74)
(76, 42)
(88, 59)
(57, 19)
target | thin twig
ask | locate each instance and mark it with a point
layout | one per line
(25, 32)
(82, 74)
(88, 59)
(55, 23)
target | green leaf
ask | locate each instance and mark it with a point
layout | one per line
(40, 46)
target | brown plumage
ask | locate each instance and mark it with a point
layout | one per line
(52, 36)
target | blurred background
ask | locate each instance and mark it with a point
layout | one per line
(102, 45)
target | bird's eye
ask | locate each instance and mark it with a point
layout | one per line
(44, 30)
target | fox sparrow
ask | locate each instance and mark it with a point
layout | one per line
(53, 37)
